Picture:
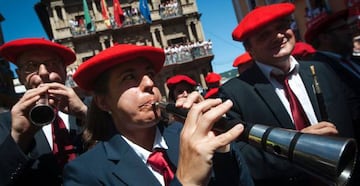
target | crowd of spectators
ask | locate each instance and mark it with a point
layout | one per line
(169, 9)
(132, 16)
(188, 51)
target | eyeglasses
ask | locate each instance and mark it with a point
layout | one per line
(33, 66)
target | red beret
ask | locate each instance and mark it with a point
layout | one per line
(243, 58)
(88, 71)
(212, 77)
(302, 49)
(13, 49)
(320, 23)
(259, 17)
(179, 78)
(211, 93)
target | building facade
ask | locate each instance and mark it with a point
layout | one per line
(90, 26)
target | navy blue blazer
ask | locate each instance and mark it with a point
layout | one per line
(114, 162)
(256, 101)
(36, 167)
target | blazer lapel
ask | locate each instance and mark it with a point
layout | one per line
(42, 144)
(128, 167)
(266, 91)
(172, 138)
(73, 124)
(308, 81)
(75, 127)
(75, 132)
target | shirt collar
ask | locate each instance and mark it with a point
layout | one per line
(144, 154)
(268, 69)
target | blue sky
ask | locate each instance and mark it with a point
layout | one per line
(218, 20)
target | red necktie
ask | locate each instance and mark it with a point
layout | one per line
(297, 112)
(62, 147)
(159, 162)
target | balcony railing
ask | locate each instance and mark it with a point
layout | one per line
(131, 18)
(169, 10)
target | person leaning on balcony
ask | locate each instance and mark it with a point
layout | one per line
(30, 154)
(278, 91)
(122, 81)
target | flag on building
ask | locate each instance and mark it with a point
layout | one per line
(105, 13)
(88, 22)
(118, 13)
(144, 10)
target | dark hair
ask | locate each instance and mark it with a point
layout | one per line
(98, 124)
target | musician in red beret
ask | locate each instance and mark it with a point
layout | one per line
(243, 62)
(278, 90)
(213, 82)
(332, 37)
(137, 148)
(180, 86)
(33, 150)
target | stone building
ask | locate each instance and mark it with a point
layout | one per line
(90, 26)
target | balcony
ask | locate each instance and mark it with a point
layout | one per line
(169, 10)
(186, 53)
